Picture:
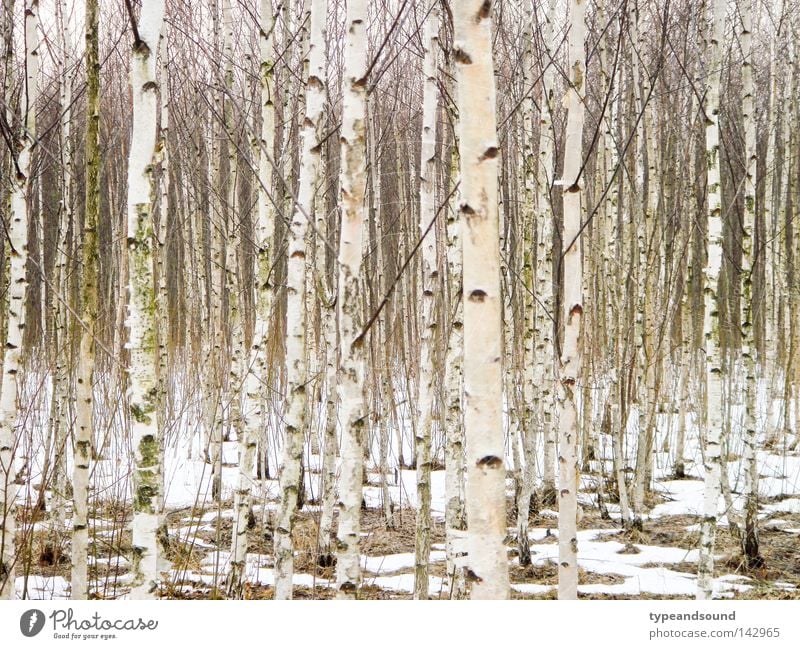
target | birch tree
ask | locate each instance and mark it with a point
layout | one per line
(21, 199)
(529, 389)
(140, 322)
(750, 545)
(84, 428)
(350, 374)
(312, 135)
(427, 212)
(570, 370)
(56, 316)
(543, 326)
(454, 412)
(258, 371)
(483, 388)
(711, 334)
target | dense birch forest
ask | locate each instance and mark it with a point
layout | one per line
(385, 299)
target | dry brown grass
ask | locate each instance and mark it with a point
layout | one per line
(667, 531)
(48, 553)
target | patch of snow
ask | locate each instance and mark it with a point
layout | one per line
(39, 587)
(395, 562)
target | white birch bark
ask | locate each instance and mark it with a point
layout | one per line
(750, 537)
(455, 516)
(255, 407)
(288, 84)
(543, 328)
(350, 374)
(713, 361)
(768, 362)
(784, 307)
(570, 363)
(639, 272)
(483, 335)
(330, 445)
(528, 213)
(8, 63)
(21, 187)
(792, 438)
(58, 312)
(613, 250)
(144, 434)
(645, 272)
(430, 281)
(328, 317)
(381, 345)
(214, 376)
(775, 184)
(84, 421)
(686, 356)
(291, 474)
(160, 237)
(7, 190)
(231, 412)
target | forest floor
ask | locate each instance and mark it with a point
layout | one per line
(659, 561)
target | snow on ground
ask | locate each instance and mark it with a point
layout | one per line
(790, 505)
(686, 498)
(39, 587)
(653, 570)
(395, 562)
(404, 493)
(404, 583)
(605, 558)
(647, 570)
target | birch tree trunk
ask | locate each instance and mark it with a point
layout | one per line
(483, 334)
(454, 412)
(711, 333)
(7, 24)
(615, 250)
(144, 434)
(312, 135)
(750, 544)
(427, 213)
(328, 316)
(644, 271)
(215, 375)
(529, 311)
(21, 187)
(162, 320)
(61, 487)
(350, 374)
(326, 291)
(254, 410)
(570, 363)
(768, 361)
(233, 384)
(380, 342)
(543, 328)
(84, 424)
